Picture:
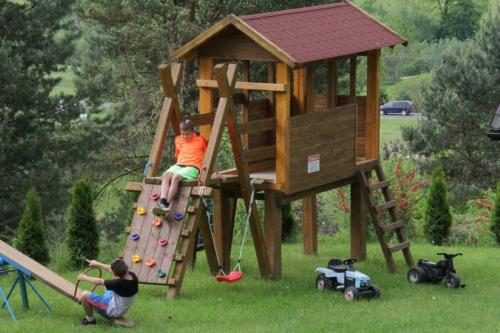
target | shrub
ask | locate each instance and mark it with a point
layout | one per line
(495, 216)
(437, 215)
(31, 233)
(82, 236)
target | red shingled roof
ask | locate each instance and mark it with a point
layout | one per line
(323, 32)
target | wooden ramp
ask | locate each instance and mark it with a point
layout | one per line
(32, 268)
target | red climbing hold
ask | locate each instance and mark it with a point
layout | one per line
(155, 196)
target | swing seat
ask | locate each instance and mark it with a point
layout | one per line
(230, 278)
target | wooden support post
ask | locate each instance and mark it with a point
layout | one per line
(208, 242)
(358, 222)
(270, 78)
(309, 225)
(170, 78)
(282, 120)
(224, 215)
(206, 96)
(273, 220)
(352, 79)
(332, 84)
(299, 90)
(372, 124)
(226, 82)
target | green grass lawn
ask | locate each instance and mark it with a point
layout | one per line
(390, 128)
(292, 304)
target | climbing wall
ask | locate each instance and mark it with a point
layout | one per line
(151, 241)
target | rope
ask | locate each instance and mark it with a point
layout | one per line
(209, 219)
(250, 205)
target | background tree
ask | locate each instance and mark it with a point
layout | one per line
(289, 225)
(437, 213)
(35, 126)
(495, 216)
(457, 108)
(30, 238)
(82, 234)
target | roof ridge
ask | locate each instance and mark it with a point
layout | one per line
(293, 10)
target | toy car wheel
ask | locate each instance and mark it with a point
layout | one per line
(322, 282)
(452, 281)
(351, 294)
(375, 291)
(415, 275)
(404, 113)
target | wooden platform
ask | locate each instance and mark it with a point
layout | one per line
(38, 271)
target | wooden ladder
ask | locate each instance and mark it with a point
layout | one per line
(369, 190)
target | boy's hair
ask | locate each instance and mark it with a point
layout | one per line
(186, 125)
(119, 267)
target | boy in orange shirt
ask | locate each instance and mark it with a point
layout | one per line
(190, 148)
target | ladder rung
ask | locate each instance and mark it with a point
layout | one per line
(393, 226)
(185, 233)
(179, 257)
(400, 246)
(172, 282)
(376, 186)
(386, 205)
(191, 209)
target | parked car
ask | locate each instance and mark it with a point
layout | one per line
(402, 107)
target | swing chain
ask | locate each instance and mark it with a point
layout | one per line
(210, 225)
(249, 213)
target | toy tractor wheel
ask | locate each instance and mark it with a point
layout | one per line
(415, 275)
(351, 294)
(322, 282)
(375, 291)
(452, 281)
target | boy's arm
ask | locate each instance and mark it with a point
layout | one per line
(95, 263)
(94, 280)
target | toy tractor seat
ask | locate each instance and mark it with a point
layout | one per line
(427, 262)
(337, 266)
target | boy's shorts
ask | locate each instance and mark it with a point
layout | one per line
(100, 302)
(187, 172)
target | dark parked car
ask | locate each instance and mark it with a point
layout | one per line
(402, 107)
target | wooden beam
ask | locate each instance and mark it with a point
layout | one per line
(262, 86)
(358, 222)
(273, 220)
(202, 119)
(270, 79)
(170, 78)
(209, 242)
(133, 187)
(256, 126)
(244, 108)
(299, 90)
(372, 123)
(258, 154)
(282, 119)
(309, 89)
(309, 212)
(205, 104)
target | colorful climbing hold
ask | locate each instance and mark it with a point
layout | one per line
(157, 222)
(150, 262)
(163, 242)
(141, 210)
(136, 258)
(134, 236)
(160, 274)
(155, 196)
(178, 216)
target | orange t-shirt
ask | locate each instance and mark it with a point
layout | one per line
(190, 152)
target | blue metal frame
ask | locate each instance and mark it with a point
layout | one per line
(23, 277)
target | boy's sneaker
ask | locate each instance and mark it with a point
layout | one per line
(86, 322)
(162, 209)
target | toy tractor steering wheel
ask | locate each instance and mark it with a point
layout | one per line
(349, 262)
(89, 269)
(449, 255)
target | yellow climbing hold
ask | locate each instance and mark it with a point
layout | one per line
(141, 210)
(136, 258)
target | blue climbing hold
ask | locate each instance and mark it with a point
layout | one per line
(134, 236)
(179, 216)
(160, 274)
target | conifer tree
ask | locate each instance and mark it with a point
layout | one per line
(495, 216)
(82, 234)
(31, 233)
(437, 214)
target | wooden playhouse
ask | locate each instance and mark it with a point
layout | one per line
(305, 130)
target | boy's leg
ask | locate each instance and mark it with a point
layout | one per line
(165, 183)
(174, 187)
(89, 309)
